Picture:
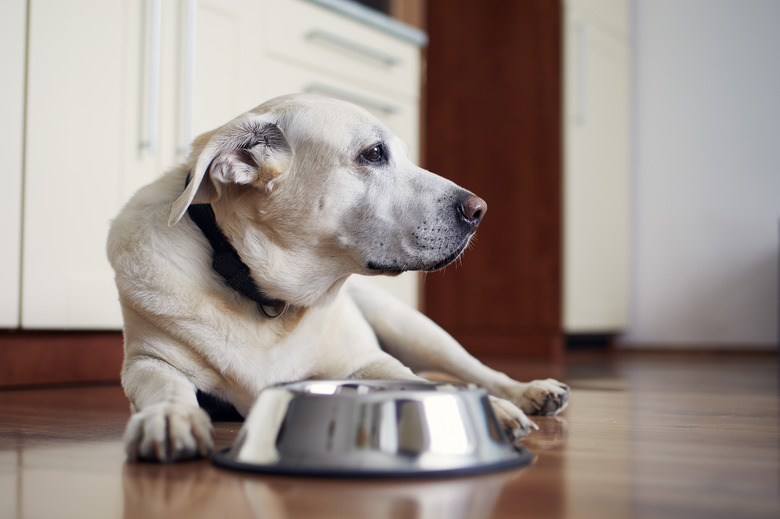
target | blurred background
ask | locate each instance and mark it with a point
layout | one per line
(627, 150)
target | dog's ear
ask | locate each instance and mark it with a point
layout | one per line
(249, 150)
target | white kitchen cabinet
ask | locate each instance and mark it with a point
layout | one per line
(13, 36)
(117, 89)
(109, 109)
(597, 215)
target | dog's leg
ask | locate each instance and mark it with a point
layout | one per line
(422, 345)
(167, 424)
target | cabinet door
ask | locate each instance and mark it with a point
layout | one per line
(82, 155)
(12, 41)
(227, 64)
(117, 89)
(596, 178)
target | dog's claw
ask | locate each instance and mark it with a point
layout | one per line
(169, 432)
(515, 423)
(543, 397)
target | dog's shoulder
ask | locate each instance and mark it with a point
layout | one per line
(146, 213)
(149, 255)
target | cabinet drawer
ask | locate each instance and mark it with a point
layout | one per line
(399, 113)
(309, 35)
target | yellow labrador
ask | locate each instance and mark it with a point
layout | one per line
(241, 279)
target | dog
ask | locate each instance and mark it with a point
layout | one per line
(236, 271)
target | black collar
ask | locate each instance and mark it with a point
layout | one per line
(228, 264)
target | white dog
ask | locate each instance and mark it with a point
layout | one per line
(289, 199)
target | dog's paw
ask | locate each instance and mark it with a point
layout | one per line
(169, 432)
(514, 421)
(542, 397)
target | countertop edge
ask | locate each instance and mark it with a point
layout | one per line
(376, 19)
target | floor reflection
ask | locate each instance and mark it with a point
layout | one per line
(200, 490)
(181, 490)
(553, 433)
(473, 497)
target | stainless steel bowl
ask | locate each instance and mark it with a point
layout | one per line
(372, 428)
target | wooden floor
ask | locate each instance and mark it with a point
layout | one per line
(645, 436)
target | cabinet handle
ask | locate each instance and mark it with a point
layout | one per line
(190, 39)
(352, 46)
(149, 141)
(344, 95)
(581, 73)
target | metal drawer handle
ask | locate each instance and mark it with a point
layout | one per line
(344, 95)
(153, 78)
(581, 73)
(353, 46)
(190, 39)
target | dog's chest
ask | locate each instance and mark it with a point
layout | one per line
(333, 339)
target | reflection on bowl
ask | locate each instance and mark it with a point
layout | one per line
(372, 428)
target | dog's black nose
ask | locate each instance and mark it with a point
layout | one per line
(472, 208)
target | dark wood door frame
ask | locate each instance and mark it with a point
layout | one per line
(492, 123)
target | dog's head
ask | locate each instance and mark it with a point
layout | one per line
(310, 190)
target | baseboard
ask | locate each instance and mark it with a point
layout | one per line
(59, 357)
(531, 346)
(768, 348)
(589, 341)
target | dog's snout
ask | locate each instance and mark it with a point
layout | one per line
(472, 208)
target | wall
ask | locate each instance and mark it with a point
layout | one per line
(707, 173)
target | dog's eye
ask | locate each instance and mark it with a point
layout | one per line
(375, 153)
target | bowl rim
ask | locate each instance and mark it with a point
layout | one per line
(391, 388)
(522, 458)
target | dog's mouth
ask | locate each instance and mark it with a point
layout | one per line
(384, 270)
(449, 259)
(394, 270)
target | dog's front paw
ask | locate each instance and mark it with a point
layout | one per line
(543, 397)
(169, 432)
(514, 421)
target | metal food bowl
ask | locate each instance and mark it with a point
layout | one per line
(372, 428)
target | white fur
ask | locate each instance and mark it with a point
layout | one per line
(294, 197)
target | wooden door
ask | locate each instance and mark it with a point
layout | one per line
(493, 125)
